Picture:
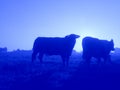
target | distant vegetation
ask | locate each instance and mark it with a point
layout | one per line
(3, 49)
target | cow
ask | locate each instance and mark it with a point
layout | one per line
(94, 47)
(62, 46)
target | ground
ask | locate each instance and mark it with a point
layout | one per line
(17, 72)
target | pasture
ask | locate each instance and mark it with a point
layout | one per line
(17, 72)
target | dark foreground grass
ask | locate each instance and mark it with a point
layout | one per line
(104, 77)
(18, 73)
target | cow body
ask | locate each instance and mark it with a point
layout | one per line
(93, 47)
(54, 46)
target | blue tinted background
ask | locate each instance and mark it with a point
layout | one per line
(21, 21)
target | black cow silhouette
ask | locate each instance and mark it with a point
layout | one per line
(93, 47)
(54, 46)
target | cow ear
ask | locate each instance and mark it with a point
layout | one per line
(111, 40)
(67, 36)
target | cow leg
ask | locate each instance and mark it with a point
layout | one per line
(86, 57)
(34, 55)
(99, 60)
(40, 56)
(83, 55)
(65, 60)
(88, 60)
(107, 59)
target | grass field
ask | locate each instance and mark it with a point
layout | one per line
(17, 72)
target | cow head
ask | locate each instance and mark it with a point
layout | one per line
(70, 41)
(112, 45)
(72, 36)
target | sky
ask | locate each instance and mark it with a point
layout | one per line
(22, 21)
